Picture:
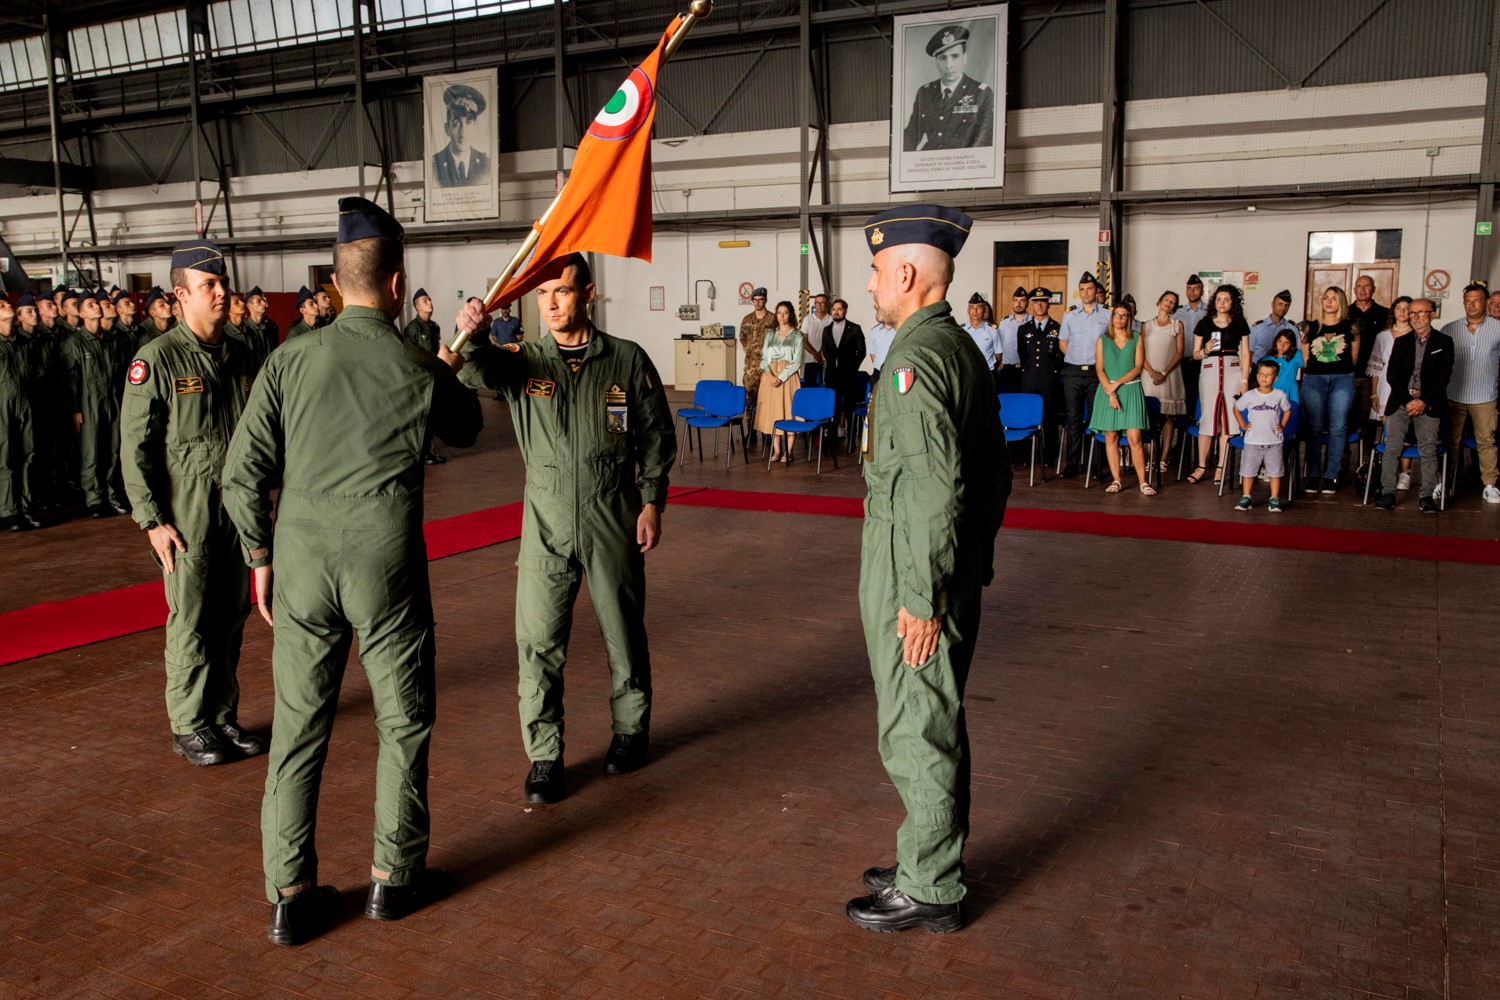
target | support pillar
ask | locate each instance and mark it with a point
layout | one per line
(1483, 254)
(1111, 156)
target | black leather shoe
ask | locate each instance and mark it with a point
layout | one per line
(392, 902)
(546, 783)
(119, 508)
(878, 879)
(247, 744)
(202, 748)
(102, 511)
(14, 524)
(893, 910)
(293, 918)
(1071, 472)
(1429, 505)
(626, 753)
(1386, 501)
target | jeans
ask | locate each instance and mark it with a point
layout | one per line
(1326, 400)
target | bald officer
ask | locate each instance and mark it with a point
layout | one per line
(184, 393)
(350, 561)
(459, 164)
(938, 476)
(955, 111)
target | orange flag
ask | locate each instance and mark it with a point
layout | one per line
(605, 206)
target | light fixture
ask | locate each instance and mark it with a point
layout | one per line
(1249, 208)
(733, 244)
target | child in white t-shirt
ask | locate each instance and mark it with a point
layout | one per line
(1263, 413)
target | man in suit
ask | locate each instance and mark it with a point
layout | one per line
(1418, 371)
(955, 111)
(458, 164)
(843, 349)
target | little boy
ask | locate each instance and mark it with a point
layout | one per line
(1263, 413)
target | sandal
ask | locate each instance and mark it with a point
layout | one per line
(1113, 487)
(1161, 467)
(1218, 475)
(1198, 474)
(1148, 489)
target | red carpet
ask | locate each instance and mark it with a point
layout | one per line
(79, 621)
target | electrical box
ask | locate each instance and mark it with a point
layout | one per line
(687, 312)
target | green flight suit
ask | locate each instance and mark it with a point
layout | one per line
(938, 476)
(146, 332)
(298, 329)
(598, 445)
(54, 472)
(424, 333)
(181, 406)
(17, 427)
(94, 390)
(340, 419)
(257, 337)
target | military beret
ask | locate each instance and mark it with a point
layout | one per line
(976, 299)
(26, 300)
(759, 293)
(304, 294)
(362, 219)
(947, 37)
(1284, 295)
(1019, 293)
(1476, 285)
(464, 100)
(1040, 294)
(930, 225)
(419, 294)
(154, 294)
(252, 293)
(1193, 279)
(69, 294)
(198, 255)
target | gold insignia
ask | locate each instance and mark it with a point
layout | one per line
(187, 386)
(541, 387)
(877, 237)
(513, 348)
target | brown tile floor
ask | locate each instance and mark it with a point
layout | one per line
(1200, 771)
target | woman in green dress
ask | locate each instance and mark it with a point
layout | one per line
(1120, 402)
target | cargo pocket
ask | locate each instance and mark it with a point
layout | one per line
(910, 434)
(408, 659)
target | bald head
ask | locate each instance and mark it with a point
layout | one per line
(908, 277)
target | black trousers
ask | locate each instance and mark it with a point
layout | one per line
(1079, 383)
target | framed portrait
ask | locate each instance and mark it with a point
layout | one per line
(948, 100)
(460, 144)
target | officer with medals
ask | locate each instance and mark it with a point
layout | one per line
(1041, 360)
(597, 436)
(938, 476)
(955, 111)
(350, 562)
(459, 164)
(307, 308)
(426, 334)
(184, 393)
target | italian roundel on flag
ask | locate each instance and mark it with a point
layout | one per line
(605, 206)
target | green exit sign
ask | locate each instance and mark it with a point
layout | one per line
(1480, 229)
(804, 249)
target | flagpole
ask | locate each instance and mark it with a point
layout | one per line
(697, 11)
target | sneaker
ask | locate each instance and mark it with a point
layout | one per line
(1311, 485)
(1274, 506)
(1429, 505)
(1332, 486)
(1264, 476)
(1386, 501)
(1403, 481)
(1491, 495)
(1244, 504)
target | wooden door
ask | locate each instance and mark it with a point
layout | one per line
(1385, 273)
(1320, 277)
(1054, 279)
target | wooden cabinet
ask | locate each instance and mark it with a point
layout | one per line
(701, 359)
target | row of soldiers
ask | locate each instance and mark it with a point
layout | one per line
(64, 361)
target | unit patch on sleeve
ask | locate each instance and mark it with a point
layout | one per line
(187, 385)
(545, 388)
(139, 372)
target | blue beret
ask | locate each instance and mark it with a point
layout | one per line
(419, 293)
(154, 294)
(252, 293)
(101, 296)
(930, 225)
(69, 294)
(304, 294)
(946, 38)
(362, 219)
(26, 300)
(198, 255)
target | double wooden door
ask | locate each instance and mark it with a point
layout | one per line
(1052, 278)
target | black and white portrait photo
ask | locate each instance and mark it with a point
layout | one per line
(459, 118)
(948, 100)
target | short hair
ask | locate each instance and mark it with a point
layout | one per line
(1271, 363)
(841, 302)
(1431, 305)
(583, 274)
(178, 277)
(366, 266)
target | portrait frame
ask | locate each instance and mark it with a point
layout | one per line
(957, 143)
(472, 190)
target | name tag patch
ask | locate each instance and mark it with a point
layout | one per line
(187, 385)
(616, 410)
(544, 388)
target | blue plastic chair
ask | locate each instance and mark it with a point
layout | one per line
(1408, 450)
(1186, 435)
(697, 409)
(1148, 439)
(723, 405)
(1021, 417)
(812, 410)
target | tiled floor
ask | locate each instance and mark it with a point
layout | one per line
(1200, 771)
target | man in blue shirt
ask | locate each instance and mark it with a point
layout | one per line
(1082, 326)
(984, 335)
(1188, 314)
(879, 342)
(1010, 352)
(506, 329)
(1263, 334)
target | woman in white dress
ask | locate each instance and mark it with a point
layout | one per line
(1163, 377)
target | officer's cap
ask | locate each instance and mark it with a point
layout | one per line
(420, 293)
(252, 293)
(1193, 279)
(930, 225)
(304, 294)
(1040, 294)
(976, 299)
(1019, 293)
(70, 294)
(1477, 285)
(154, 294)
(26, 300)
(362, 219)
(198, 255)
(947, 37)
(759, 293)
(1284, 295)
(463, 99)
